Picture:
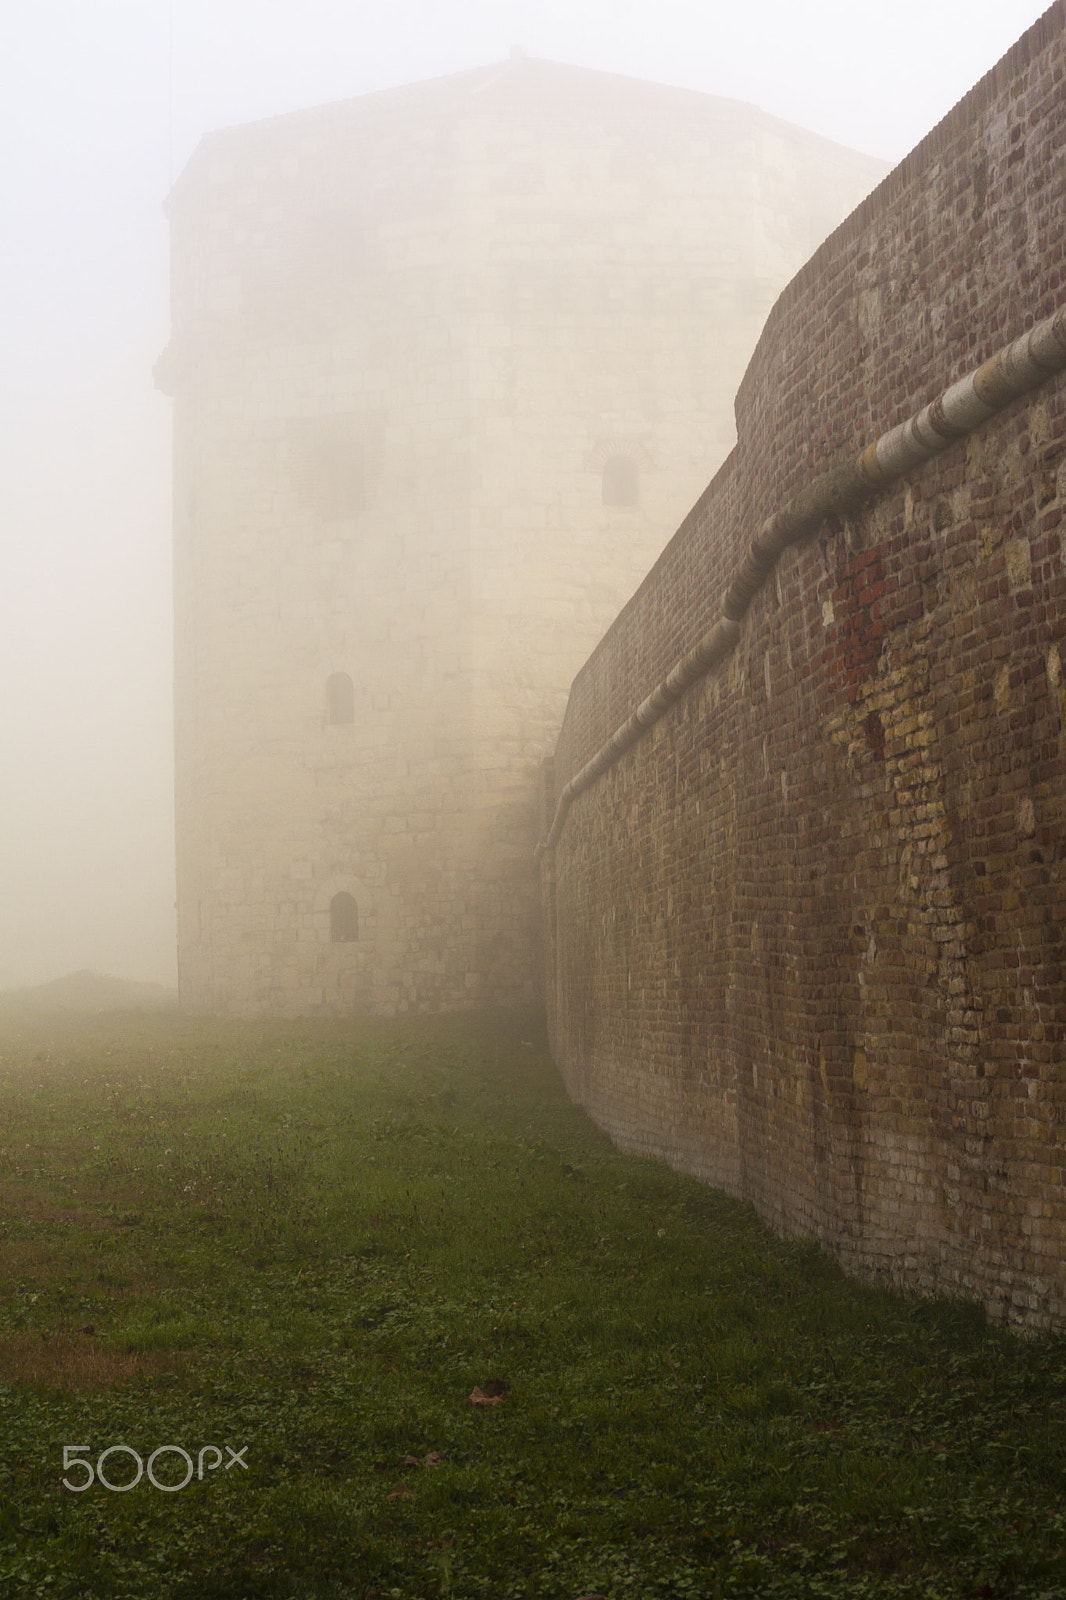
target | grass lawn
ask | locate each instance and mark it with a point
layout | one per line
(300, 1248)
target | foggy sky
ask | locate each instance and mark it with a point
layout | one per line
(101, 104)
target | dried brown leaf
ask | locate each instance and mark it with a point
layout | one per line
(480, 1397)
(399, 1491)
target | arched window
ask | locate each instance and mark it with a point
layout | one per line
(620, 481)
(343, 919)
(328, 465)
(340, 698)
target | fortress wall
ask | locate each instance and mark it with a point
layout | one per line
(805, 937)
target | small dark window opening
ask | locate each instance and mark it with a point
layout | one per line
(620, 481)
(343, 919)
(340, 698)
(329, 468)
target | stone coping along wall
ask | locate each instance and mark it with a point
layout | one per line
(804, 931)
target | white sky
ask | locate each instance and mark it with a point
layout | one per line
(101, 101)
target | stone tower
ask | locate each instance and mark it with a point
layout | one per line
(450, 363)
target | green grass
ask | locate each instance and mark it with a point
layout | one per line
(314, 1240)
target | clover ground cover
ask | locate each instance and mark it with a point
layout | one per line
(313, 1242)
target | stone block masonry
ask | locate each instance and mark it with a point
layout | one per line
(449, 363)
(805, 928)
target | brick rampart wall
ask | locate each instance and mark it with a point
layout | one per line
(805, 938)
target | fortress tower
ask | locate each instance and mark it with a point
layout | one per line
(450, 363)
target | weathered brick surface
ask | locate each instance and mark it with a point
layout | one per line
(806, 938)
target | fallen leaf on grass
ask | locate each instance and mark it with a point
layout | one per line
(432, 1459)
(410, 1461)
(832, 1426)
(399, 1491)
(493, 1394)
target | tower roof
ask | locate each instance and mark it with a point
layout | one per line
(521, 87)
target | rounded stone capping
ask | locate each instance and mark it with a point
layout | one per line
(959, 410)
(962, 406)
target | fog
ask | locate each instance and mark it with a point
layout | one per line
(102, 105)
